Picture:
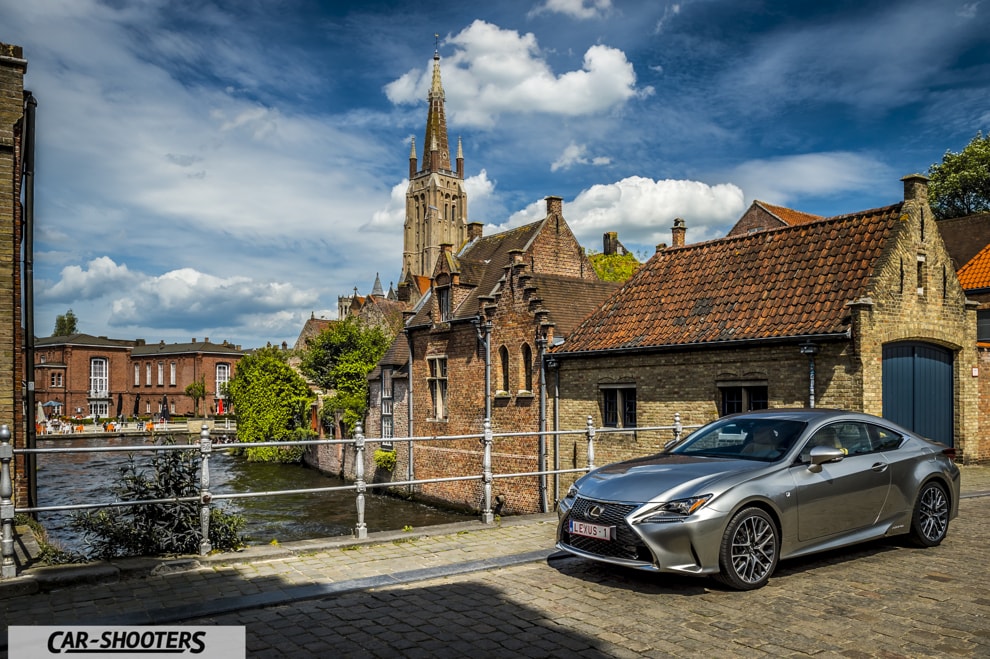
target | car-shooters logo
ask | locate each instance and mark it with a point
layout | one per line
(144, 642)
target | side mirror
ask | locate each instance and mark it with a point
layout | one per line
(822, 454)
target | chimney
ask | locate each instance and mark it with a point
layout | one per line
(609, 242)
(677, 233)
(446, 248)
(206, 339)
(915, 187)
(555, 205)
(475, 230)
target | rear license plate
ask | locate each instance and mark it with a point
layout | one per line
(597, 531)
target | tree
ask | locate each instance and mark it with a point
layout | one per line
(271, 401)
(65, 324)
(197, 391)
(614, 267)
(338, 360)
(960, 184)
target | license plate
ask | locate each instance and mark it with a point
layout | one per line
(597, 531)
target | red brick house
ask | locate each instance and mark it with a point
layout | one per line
(474, 348)
(85, 376)
(761, 216)
(861, 311)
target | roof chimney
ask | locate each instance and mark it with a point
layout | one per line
(475, 230)
(677, 233)
(915, 187)
(555, 205)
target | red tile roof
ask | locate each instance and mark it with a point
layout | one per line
(789, 216)
(976, 274)
(787, 282)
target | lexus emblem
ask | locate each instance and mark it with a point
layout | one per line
(595, 512)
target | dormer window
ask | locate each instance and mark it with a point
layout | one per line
(443, 303)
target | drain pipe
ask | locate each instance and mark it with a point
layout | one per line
(27, 180)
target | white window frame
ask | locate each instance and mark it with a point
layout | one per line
(438, 386)
(99, 377)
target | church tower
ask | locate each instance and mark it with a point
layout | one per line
(436, 201)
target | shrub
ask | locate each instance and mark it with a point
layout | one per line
(384, 459)
(158, 529)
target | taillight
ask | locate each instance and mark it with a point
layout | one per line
(950, 453)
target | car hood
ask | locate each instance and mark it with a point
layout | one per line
(664, 476)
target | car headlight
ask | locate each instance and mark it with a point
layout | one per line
(572, 492)
(669, 511)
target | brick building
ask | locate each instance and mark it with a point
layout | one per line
(861, 311)
(86, 376)
(13, 100)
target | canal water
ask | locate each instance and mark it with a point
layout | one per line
(77, 478)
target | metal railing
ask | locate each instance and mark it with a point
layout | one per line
(205, 497)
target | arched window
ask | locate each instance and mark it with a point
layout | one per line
(527, 367)
(503, 360)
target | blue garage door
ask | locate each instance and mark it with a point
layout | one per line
(917, 389)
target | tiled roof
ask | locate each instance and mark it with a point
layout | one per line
(792, 281)
(313, 328)
(571, 299)
(789, 216)
(84, 340)
(976, 274)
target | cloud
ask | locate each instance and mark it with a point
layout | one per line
(577, 155)
(579, 9)
(103, 277)
(781, 180)
(642, 211)
(496, 71)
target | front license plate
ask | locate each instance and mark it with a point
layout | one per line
(597, 531)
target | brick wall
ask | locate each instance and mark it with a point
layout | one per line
(12, 69)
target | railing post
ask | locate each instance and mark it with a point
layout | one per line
(205, 448)
(678, 428)
(591, 443)
(9, 566)
(361, 531)
(487, 516)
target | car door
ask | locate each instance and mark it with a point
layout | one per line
(847, 494)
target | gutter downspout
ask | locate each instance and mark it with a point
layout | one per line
(410, 471)
(541, 341)
(27, 177)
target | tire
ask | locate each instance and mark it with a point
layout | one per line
(749, 551)
(930, 519)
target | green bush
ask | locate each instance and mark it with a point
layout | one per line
(160, 529)
(384, 459)
(281, 454)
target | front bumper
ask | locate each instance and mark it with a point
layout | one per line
(687, 545)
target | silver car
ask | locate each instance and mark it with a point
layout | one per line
(738, 495)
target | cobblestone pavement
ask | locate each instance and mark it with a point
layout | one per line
(469, 590)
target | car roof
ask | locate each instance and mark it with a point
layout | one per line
(807, 414)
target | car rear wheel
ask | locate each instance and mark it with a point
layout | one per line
(749, 550)
(930, 521)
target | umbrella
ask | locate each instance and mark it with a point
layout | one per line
(40, 414)
(137, 400)
(165, 414)
(120, 405)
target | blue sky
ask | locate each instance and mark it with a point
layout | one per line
(225, 169)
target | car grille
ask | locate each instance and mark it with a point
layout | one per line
(625, 545)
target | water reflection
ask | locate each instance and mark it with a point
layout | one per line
(74, 478)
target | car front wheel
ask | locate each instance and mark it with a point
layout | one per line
(749, 550)
(930, 521)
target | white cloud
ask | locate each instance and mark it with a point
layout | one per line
(579, 9)
(496, 71)
(102, 277)
(642, 211)
(575, 154)
(781, 180)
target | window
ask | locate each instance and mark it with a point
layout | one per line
(171, 374)
(387, 397)
(527, 367)
(147, 374)
(137, 375)
(619, 407)
(983, 325)
(56, 380)
(443, 303)
(161, 373)
(503, 370)
(223, 376)
(99, 409)
(737, 398)
(99, 383)
(921, 274)
(438, 387)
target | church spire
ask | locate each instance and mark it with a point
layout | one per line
(436, 121)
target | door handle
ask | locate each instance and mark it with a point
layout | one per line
(880, 467)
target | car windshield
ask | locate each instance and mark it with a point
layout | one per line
(764, 439)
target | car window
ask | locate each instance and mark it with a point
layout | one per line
(884, 439)
(752, 439)
(854, 438)
(827, 436)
